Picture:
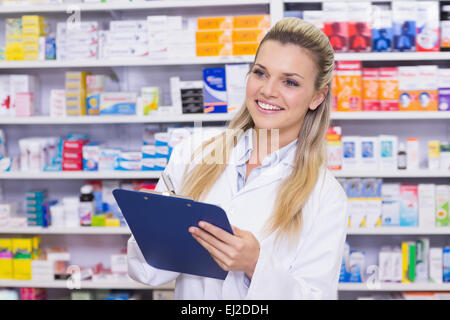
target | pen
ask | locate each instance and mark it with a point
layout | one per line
(168, 182)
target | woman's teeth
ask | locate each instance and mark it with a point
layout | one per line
(268, 106)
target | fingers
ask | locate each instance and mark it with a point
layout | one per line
(210, 239)
(217, 232)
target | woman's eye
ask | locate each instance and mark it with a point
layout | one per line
(291, 83)
(258, 72)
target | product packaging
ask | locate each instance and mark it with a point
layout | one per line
(390, 205)
(236, 81)
(351, 152)
(427, 205)
(382, 30)
(95, 85)
(371, 98)
(427, 26)
(349, 82)
(404, 17)
(442, 199)
(428, 88)
(336, 24)
(409, 213)
(389, 89)
(434, 147)
(359, 27)
(372, 197)
(444, 87)
(412, 152)
(214, 90)
(422, 252)
(436, 265)
(388, 152)
(408, 79)
(356, 204)
(357, 266)
(370, 153)
(334, 148)
(118, 103)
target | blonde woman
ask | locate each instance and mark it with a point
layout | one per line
(268, 172)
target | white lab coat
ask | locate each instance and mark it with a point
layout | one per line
(307, 269)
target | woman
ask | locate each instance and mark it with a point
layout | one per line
(287, 211)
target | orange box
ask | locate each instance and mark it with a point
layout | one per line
(334, 92)
(213, 36)
(248, 35)
(245, 48)
(388, 82)
(428, 88)
(408, 78)
(213, 23)
(252, 22)
(371, 99)
(349, 96)
(214, 49)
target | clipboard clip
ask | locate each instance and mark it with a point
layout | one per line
(166, 193)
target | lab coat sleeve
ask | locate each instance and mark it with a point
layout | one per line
(138, 269)
(315, 270)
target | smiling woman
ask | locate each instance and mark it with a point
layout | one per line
(288, 213)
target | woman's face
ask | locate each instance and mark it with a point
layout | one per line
(280, 88)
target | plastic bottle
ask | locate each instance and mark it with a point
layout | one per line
(86, 208)
(401, 157)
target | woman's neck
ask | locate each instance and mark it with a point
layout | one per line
(267, 141)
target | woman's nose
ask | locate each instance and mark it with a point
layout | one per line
(269, 89)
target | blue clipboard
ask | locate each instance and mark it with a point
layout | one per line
(160, 226)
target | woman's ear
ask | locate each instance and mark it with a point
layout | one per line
(319, 97)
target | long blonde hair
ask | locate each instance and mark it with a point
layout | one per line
(310, 156)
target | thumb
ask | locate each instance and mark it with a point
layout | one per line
(236, 231)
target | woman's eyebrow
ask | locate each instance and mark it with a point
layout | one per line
(288, 74)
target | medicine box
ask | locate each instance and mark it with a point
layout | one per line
(349, 83)
(118, 103)
(427, 26)
(382, 31)
(214, 90)
(359, 31)
(389, 89)
(351, 152)
(409, 212)
(214, 49)
(404, 17)
(334, 148)
(427, 205)
(444, 88)
(370, 92)
(446, 264)
(428, 88)
(408, 79)
(442, 199)
(369, 159)
(390, 204)
(436, 265)
(251, 22)
(91, 156)
(235, 81)
(336, 24)
(388, 152)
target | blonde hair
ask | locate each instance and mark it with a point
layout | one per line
(310, 156)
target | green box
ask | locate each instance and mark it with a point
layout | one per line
(98, 220)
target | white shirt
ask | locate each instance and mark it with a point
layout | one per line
(307, 269)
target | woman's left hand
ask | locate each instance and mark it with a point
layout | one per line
(238, 252)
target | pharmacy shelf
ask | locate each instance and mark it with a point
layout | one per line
(66, 230)
(213, 117)
(103, 284)
(394, 287)
(126, 231)
(41, 120)
(122, 6)
(390, 115)
(421, 173)
(136, 62)
(104, 175)
(127, 62)
(399, 231)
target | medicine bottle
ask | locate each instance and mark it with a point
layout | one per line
(86, 208)
(401, 157)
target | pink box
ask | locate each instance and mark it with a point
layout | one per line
(72, 156)
(24, 102)
(72, 165)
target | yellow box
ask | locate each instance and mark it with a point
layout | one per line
(212, 23)
(14, 51)
(248, 35)
(32, 19)
(36, 241)
(213, 36)
(211, 49)
(112, 222)
(6, 259)
(251, 22)
(22, 249)
(245, 48)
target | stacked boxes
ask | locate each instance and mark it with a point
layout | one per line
(35, 211)
(76, 93)
(77, 41)
(72, 155)
(226, 35)
(155, 156)
(24, 250)
(6, 259)
(349, 94)
(33, 27)
(126, 38)
(14, 46)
